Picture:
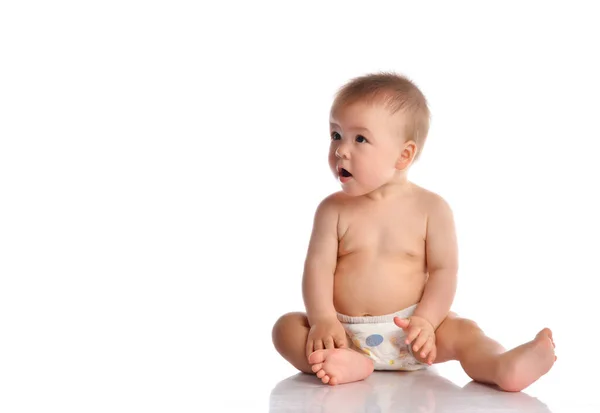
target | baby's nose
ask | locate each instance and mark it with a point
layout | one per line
(342, 152)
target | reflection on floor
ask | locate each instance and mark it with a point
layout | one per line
(415, 392)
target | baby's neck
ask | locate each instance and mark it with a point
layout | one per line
(399, 185)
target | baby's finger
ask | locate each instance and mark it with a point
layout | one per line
(412, 334)
(403, 323)
(427, 347)
(432, 355)
(309, 347)
(340, 342)
(329, 342)
(422, 339)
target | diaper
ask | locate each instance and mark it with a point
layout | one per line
(382, 340)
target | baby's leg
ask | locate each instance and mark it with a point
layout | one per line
(486, 361)
(289, 338)
(332, 366)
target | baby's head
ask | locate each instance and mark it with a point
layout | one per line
(378, 125)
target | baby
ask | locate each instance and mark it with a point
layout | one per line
(381, 268)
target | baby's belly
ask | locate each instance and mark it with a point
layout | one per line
(376, 286)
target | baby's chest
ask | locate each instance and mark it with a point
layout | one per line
(383, 234)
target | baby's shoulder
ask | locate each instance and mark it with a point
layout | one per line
(334, 201)
(428, 200)
(335, 204)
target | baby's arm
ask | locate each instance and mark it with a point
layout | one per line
(442, 264)
(317, 282)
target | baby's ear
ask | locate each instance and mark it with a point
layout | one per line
(407, 155)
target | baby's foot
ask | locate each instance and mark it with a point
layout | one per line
(523, 365)
(340, 365)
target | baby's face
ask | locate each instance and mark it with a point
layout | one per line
(366, 143)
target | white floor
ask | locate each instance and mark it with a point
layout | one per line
(443, 388)
(398, 392)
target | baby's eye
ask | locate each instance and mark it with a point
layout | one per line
(361, 139)
(335, 136)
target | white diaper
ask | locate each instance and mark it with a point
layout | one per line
(382, 340)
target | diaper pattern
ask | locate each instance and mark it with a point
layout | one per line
(382, 341)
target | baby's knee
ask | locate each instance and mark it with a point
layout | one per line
(466, 326)
(287, 324)
(291, 319)
(455, 329)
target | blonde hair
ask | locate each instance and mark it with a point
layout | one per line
(397, 93)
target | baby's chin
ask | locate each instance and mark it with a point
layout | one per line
(352, 189)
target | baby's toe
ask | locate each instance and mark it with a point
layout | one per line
(317, 367)
(546, 332)
(316, 357)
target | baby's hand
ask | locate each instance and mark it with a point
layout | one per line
(421, 332)
(325, 334)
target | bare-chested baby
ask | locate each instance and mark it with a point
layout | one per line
(381, 269)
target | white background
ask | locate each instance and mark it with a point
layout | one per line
(160, 163)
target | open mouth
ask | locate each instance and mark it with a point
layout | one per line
(345, 173)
